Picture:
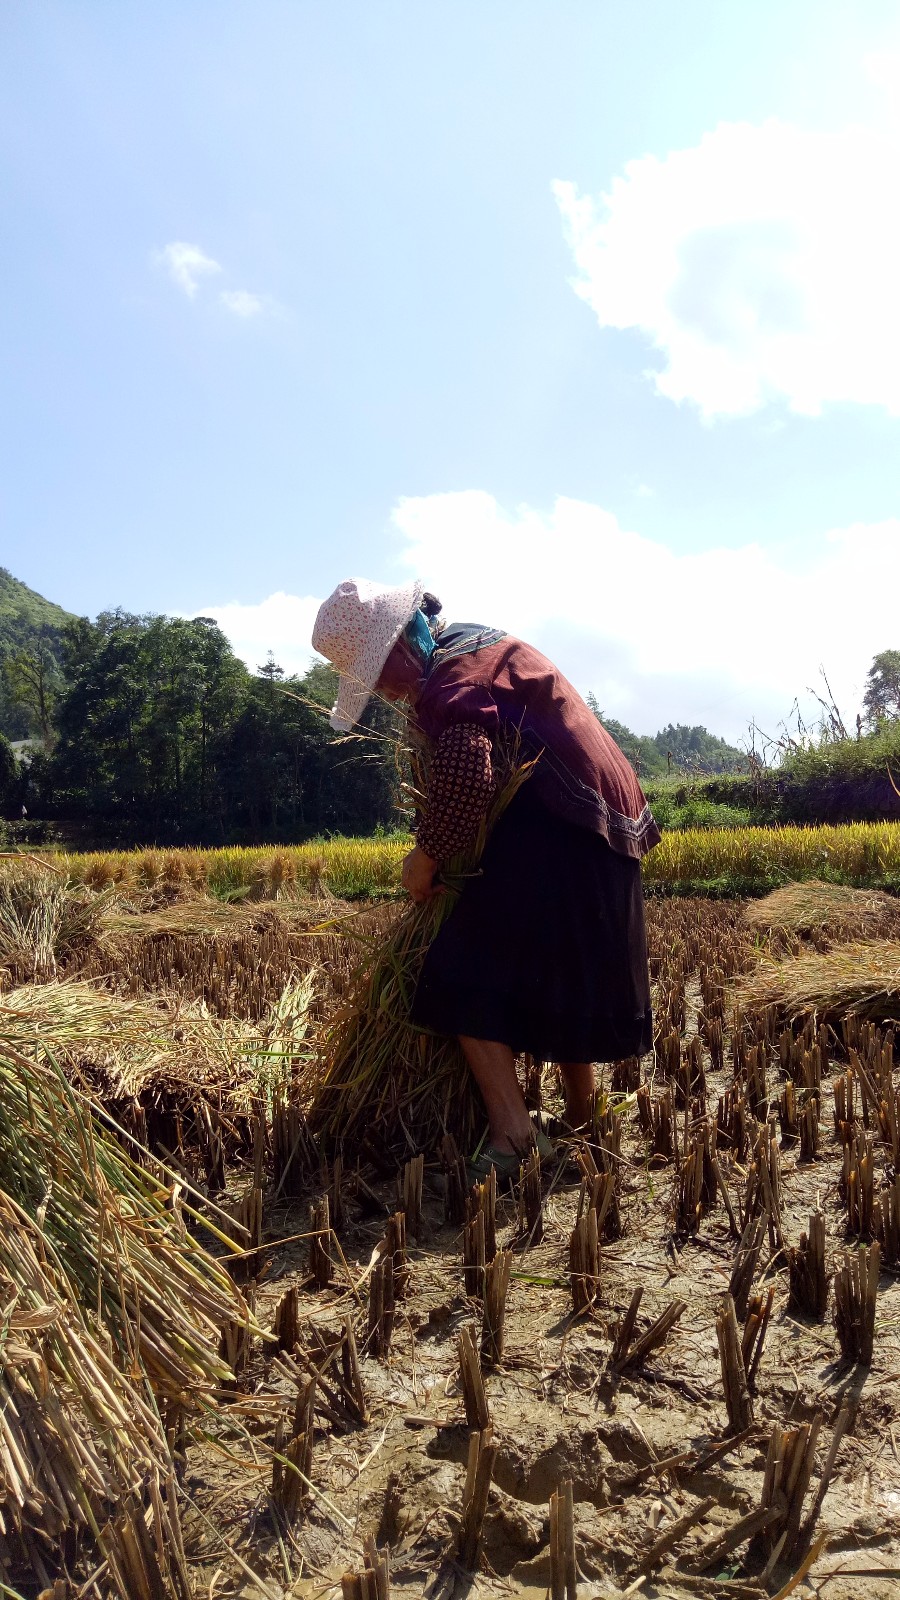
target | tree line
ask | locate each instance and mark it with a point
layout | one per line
(150, 729)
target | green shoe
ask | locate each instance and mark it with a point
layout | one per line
(506, 1162)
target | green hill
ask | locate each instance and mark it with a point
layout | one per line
(27, 621)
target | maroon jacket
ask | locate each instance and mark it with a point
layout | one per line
(490, 679)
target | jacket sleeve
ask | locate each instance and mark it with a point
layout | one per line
(459, 790)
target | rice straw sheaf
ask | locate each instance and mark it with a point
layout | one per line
(379, 1084)
(43, 920)
(237, 961)
(167, 1056)
(860, 977)
(115, 1227)
(822, 913)
(84, 1461)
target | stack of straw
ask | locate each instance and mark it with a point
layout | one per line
(383, 1085)
(79, 1443)
(111, 1317)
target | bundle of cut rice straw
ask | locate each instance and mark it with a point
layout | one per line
(382, 1085)
(860, 978)
(110, 1320)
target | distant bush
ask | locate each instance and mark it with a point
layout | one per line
(27, 835)
(699, 813)
(836, 781)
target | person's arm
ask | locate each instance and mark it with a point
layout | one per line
(459, 791)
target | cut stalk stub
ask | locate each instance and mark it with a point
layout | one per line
(334, 1361)
(496, 1284)
(584, 1260)
(411, 1195)
(789, 1465)
(374, 1581)
(455, 1182)
(630, 1352)
(738, 1403)
(806, 1271)
(531, 1215)
(563, 1564)
(381, 1306)
(482, 1455)
(745, 1263)
(855, 1297)
(321, 1266)
(482, 1201)
(291, 1474)
(478, 1416)
(287, 1320)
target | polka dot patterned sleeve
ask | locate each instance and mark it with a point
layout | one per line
(458, 792)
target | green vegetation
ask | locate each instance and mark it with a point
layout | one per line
(834, 781)
(676, 748)
(31, 631)
(148, 728)
(161, 733)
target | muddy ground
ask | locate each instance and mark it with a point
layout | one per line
(642, 1448)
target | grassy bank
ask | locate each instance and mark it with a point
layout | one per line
(714, 861)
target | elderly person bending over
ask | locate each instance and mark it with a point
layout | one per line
(546, 949)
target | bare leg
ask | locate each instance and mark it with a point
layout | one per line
(493, 1067)
(578, 1083)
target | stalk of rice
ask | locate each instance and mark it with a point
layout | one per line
(861, 978)
(43, 919)
(115, 1230)
(381, 1082)
(84, 1461)
(111, 1320)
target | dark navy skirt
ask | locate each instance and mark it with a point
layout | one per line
(546, 950)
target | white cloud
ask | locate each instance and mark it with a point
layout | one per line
(715, 637)
(282, 623)
(187, 264)
(883, 67)
(762, 263)
(241, 303)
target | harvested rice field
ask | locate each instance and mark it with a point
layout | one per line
(244, 1358)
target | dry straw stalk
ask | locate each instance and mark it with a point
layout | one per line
(382, 1080)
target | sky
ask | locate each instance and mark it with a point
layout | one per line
(585, 313)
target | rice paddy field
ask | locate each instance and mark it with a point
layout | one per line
(262, 1338)
(748, 860)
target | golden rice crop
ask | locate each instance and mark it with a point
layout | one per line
(861, 853)
(344, 867)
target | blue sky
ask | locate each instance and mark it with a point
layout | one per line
(586, 311)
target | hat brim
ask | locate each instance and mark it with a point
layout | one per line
(353, 696)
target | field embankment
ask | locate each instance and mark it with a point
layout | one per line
(718, 862)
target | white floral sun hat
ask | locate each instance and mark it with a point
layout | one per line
(356, 629)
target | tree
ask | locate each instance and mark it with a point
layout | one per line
(881, 699)
(32, 679)
(696, 750)
(637, 748)
(163, 734)
(9, 775)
